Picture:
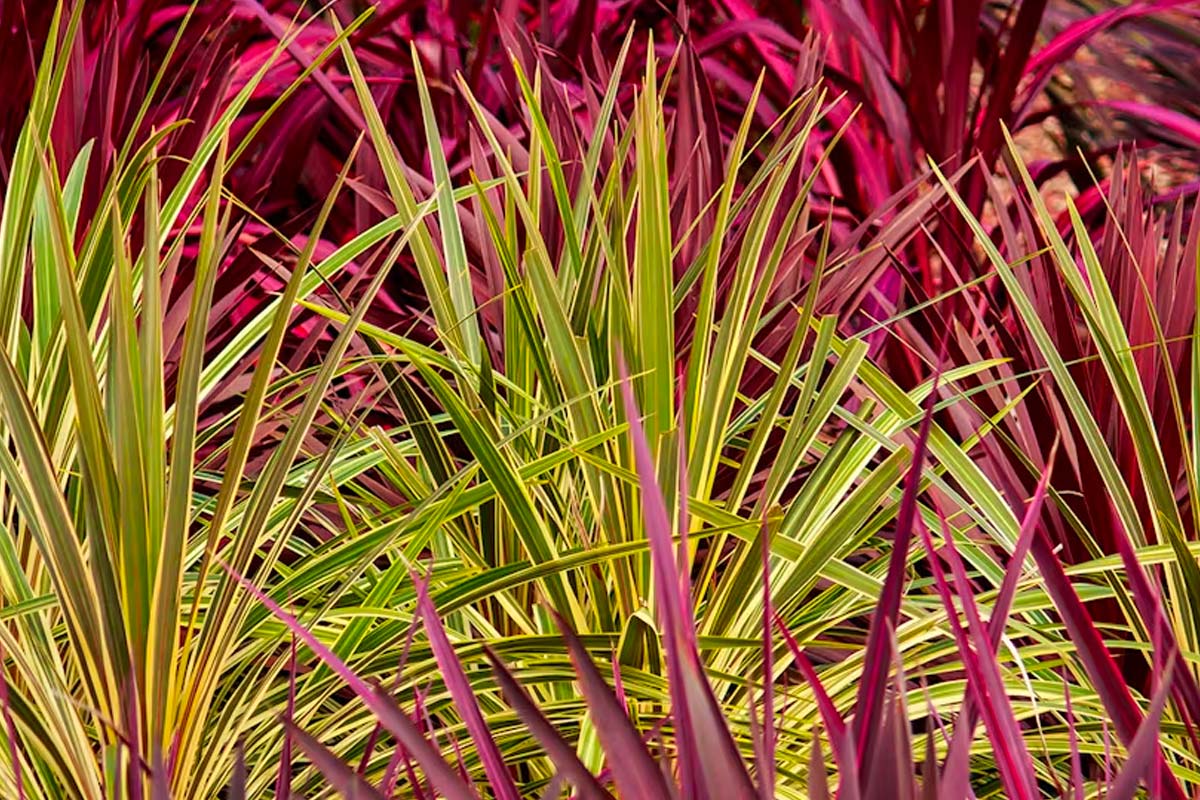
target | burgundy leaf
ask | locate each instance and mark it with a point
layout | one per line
(635, 773)
(983, 674)
(1110, 685)
(464, 696)
(707, 753)
(341, 776)
(1144, 750)
(877, 661)
(559, 749)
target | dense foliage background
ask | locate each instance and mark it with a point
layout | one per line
(415, 399)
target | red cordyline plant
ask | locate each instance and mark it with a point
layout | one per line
(1098, 330)
(931, 79)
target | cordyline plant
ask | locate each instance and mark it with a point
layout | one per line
(218, 560)
(929, 79)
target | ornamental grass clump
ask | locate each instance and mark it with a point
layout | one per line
(656, 486)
